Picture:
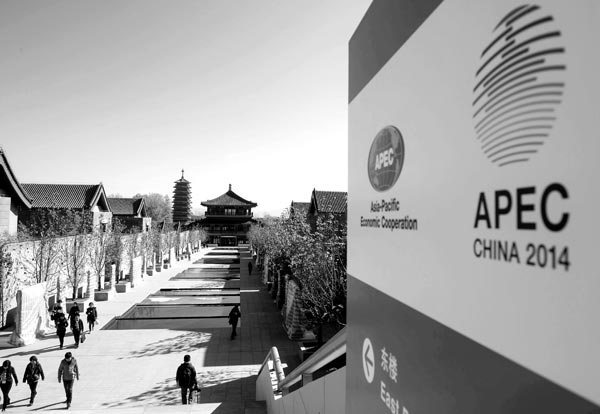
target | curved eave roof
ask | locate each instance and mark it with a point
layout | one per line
(220, 220)
(228, 199)
(328, 202)
(77, 196)
(127, 206)
(12, 179)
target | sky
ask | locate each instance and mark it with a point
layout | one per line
(252, 93)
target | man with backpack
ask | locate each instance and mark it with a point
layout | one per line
(186, 379)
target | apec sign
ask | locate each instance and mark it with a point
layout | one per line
(489, 227)
(386, 158)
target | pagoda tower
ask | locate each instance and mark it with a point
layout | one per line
(182, 201)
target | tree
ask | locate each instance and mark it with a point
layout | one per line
(99, 244)
(44, 231)
(76, 251)
(9, 284)
(320, 264)
(316, 258)
(116, 246)
(158, 207)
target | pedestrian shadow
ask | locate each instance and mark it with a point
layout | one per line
(218, 386)
(163, 393)
(184, 343)
(13, 403)
(35, 351)
(48, 406)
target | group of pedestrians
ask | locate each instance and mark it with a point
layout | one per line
(68, 371)
(74, 321)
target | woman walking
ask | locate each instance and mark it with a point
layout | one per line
(92, 316)
(7, 374)
(33, 373)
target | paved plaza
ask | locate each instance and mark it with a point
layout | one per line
(133, 370)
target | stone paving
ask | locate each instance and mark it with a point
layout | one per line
(133, 371)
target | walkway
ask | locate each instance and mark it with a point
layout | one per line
(133, 371)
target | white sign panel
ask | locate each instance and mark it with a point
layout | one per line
(473, 194)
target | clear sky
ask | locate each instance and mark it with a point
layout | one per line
(251, 93)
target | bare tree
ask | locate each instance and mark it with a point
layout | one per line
(9, 283)
(76, 251)
(97, 251)
(317, 259)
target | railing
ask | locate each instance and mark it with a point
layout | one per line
(331, 350)
(272, 360)
(273, 387)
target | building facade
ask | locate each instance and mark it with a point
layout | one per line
(228, 219)
(13, 198)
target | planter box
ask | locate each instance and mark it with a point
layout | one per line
(104, 295)
(123, 286)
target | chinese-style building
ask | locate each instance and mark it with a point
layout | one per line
(182, 201)
(89, 200)
(131, 213)
(227, 219)
(13, 197)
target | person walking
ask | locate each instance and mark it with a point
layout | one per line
(234, 316)
(55, 308)
(186, 379)
(68, 371)
(7, 374)
(77, 328)
(92, 316)
(250, 267)
(74, 311)
(32, 375)
(61, 322)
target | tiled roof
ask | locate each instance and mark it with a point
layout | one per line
(229, 199)
(125, 206)
(16, 187)
(329, 201)
(63, 195)
(299, 208)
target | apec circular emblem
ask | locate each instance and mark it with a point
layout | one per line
(386, 158)
(519, 86)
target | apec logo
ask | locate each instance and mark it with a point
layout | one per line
(518, 86)
(386, 158)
